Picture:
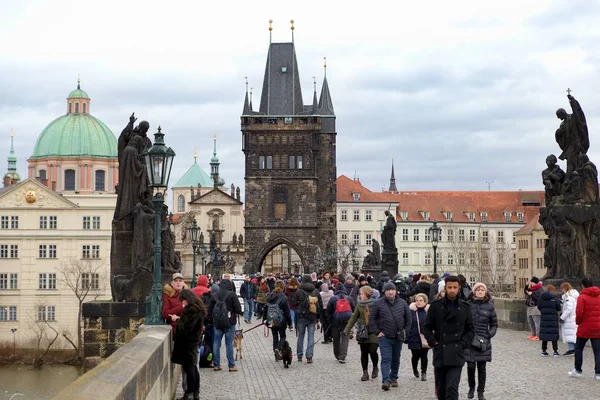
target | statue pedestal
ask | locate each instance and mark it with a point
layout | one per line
(389, 261)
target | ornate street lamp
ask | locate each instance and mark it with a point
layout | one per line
(435, 232)
(159, 160)
(194, 230)
(353, 255)
(203, 254)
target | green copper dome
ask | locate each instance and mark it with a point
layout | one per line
(76, 135)
(78, 94)
(194, 176)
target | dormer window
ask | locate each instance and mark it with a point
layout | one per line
(471, 216)
(448, 215)
(404, 215)
(520, 216)
(356, 196)
(507, 216)
(425, 215)
(483, 217)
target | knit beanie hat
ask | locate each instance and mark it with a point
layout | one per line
(535, 279)
(313, 277)
(349, 277)
(214, 288)
(411, 272)
(306, 278)
(362, 279)
(389, 286)
(385, 273)
(445, 275)
(478, 285)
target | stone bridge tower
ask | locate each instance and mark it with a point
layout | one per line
(290, 165)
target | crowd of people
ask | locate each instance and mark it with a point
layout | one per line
(439, 313)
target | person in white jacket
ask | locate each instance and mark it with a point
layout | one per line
(567, 317)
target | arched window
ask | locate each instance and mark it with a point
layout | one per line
(181, 203)
(100, 186)
(42, 174)
(76, 108)
(70, 179)
(84, 108)
(70, 108)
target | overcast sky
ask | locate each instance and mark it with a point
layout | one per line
(458, 93)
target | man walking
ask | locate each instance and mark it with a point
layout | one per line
(339, 311)
(448, 329)
(224, 308)
(390, 320)
(308, 303)
(248, 293)
(587, 318)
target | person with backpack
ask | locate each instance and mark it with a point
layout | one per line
(339, 311)
(309, 305)
(224, 308)
(276, 315)
(401, 287)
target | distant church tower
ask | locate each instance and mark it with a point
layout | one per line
(12, 176)
(393, 188)
(290, 165)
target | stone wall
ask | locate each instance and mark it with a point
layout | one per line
(512, 314)
(140, 369)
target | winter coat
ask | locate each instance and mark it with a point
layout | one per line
(282, 301)
(485, 323)
(414, 339)
(449, 331)
(248, 291)
(390, 317)
(587, 313)
(382, 281)
(171, 303)
(231, 300)
(187, 336)
(332, 303)
(359, 316)
(326, 294)
(549, 306)
(532, 300)
(434, 290)
(261, 296)
(568, 327)
(421, 287)
(308, 289)
(465, 292)
(270, 284)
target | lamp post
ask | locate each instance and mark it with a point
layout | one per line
(14, 332)
(158, 160)
(203, 254)
(435, 232)
(194, 229)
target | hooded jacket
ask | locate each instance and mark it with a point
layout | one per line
(587, 313)
(549, 305)
(231, 300)
(171, 303)
(202, 287)
(326, 294)
(281, 300)
(568, 327)
(306, 288)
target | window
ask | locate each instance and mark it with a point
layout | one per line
(42, 174)
(344, 216)
(84, 108)
(471, 235)
(483, 217)
(450, 234)
(90, 281)
(299, 162)
(427, 235)
(471, 258)
(461, 235)
(269, 162)
(500, 237)
(47, 281)
(8, 313)
(500, 260)
(76, 108)
(292, 162)
(4, 222)
(471, 216)
(514, 259)
(428, 259)
(539, 262)
(87, 222)
(181, 203)
(523, 244)
(43, 222)
(405, 234)
(43, 251)
(514, 237)
(92, 251)
(70, 108)
(356, 215)
(461, 258)
(404, 258)
(100, 179)
(448, 215)
(426, 215)
(261, 162)
(46, 313)
(14, 251)
(14, 222)
(520, 216)
(439, 258)
(485, 258)
(344, 238)
(404, 215)
(70, 179)
(3, 251)
(3, 281)
(523, 263)
(51, 251)
(52, 219)
(368, 239)
(485, 237)
(356, 239)
(450, 259)
(96, 222)
(507, 216)
(368, 215)
(416, 235)
(356, 196)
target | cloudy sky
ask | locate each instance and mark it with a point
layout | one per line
(458, 93)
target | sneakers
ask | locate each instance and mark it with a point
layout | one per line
(423, 376)
(342, 361)
(386, 386)
(416, 372)
(277, 355)
(577, 374)
(535, 338)
(544, 353)
(556, 354)
(597, 377)
(530, 337)
(569, 353)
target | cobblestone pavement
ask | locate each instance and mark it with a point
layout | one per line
(518, 371)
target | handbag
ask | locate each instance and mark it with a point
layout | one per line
(480, 343)
(362, 332)
(424, 343)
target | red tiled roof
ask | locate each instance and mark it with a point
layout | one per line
(533, 225)
(459, 203)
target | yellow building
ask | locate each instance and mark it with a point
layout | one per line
(531, 244)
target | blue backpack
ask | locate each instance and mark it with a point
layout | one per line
(275, 316)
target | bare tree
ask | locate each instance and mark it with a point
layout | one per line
(86, 279)
(40, 327)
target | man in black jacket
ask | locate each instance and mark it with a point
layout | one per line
(390, 319)
(449, 331)
(234, 309)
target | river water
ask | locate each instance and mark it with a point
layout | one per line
(35, 384)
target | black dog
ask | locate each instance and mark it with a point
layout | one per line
(286, 354)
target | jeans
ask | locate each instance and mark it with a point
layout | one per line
(340, 341)
(302, 325)
(579, 346)
(248, 308)
(534, 324)
(293, 314)
(278, 337)
(481, 375)
(228, 333)
(390, 358)
(447, 380)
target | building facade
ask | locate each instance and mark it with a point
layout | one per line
(531, 245)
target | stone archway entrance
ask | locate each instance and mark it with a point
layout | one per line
(281, 255)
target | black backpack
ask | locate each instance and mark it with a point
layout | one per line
(401, 288)
(220, 314)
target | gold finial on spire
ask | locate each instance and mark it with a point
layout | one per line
(270, 30)
(251, 94)
(195, 152)
(315, 83)
(246, 83)
(78, 82)
(292, 22)
(270, 23)
(12, 132)
(325, 65)
(214, 136)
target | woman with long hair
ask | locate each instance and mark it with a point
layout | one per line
(188, 332)
(368, 346)
(418, 311)
(290, 291)
(485, 324)
(549, 305)
(568, 326)
(277, 302)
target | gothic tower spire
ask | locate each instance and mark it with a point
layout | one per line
(11, 177)
(393, 188)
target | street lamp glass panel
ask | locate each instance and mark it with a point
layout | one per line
(159, 160)
(194, 230)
